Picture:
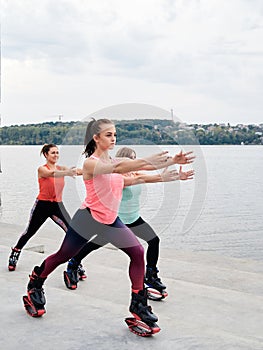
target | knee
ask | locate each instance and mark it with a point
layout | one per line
(154, 241)
(135, 253)
(140, 252)
(59, 258)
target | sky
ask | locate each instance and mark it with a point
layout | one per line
(68, 59)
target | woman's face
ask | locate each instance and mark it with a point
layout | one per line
(133, 155)
(106, 139)
(52, 155)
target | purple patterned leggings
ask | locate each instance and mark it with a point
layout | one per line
(82, 228)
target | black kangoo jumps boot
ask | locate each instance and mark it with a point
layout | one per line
(81, 272)
(13, 259)
(35, 299)
(152, 279)
(155, 288)
(71, 276)
(140, 309)
(144, 321)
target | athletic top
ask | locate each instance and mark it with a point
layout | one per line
(103, 196)
(51, 188)
(130, 204)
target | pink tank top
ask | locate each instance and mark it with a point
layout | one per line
(51, 188)
(103, 196)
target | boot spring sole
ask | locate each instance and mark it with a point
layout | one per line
(156, 295)
(140, 328)
(31, 309)
(68, 283)
(82, 277)
(11, 268)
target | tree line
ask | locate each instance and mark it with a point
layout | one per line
(136, 132)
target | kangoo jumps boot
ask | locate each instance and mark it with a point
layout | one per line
(152, 279)
(71, 276)
(74, 265)
(156, 290)
(144, 321)
(13, 259)
(81, 272)
(140, 309)
(35, 299)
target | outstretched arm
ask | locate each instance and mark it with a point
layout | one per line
(64, 171)
(165, 176)
(77, 171)
(180, 158)
(139, 178)
(93, 167)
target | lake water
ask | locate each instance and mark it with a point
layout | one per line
(219, 211)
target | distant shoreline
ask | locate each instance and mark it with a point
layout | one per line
(136, 132)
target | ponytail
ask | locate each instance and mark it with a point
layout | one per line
(89, 143)
(93, 128)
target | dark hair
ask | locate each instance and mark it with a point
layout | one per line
(47, 147)
(93, 128)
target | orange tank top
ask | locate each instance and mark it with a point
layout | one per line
(51, 188)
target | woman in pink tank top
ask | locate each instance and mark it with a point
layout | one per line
(129, 213)
(98, 214)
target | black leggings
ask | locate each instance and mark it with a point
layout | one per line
(39, 214)
(141, 229)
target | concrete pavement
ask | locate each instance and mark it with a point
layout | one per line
(214, 302)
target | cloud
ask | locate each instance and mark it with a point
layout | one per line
(199, 48)
(130, 35)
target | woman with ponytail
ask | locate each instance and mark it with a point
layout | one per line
(98, 214)
(129, 213)
(48, 203)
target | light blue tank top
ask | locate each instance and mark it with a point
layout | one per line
(129, 210)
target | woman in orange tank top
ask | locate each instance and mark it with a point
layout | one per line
(48, 203)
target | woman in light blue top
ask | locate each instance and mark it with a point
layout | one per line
(130, 204)
(129, 213)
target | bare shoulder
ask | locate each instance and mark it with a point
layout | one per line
(90, 160)
(90, 163)
(88, 168)
(43, 171)
(41, 168)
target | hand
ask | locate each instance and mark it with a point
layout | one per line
(72, 172)
(187, 175)
(79, 171)
(183, 158)
(158, 160)
(169, 175)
